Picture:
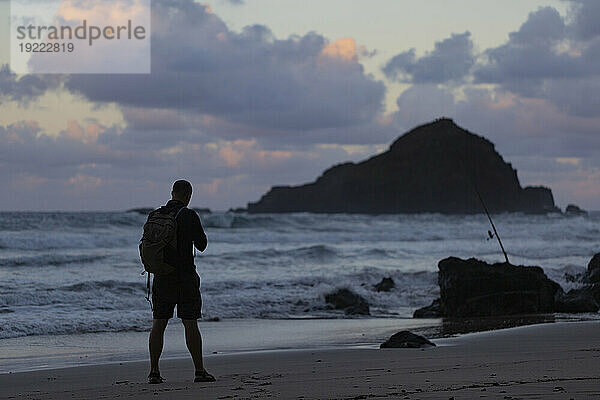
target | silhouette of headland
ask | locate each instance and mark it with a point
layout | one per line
(437, 167)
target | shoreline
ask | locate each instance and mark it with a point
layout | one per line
(555, 360)
(30, 353)
(47, 352)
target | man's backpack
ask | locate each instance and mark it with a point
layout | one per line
(160, 231)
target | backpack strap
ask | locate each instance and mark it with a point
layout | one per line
(179, 212)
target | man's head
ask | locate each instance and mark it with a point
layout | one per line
(182, 191)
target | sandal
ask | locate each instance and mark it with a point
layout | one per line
(154, 378)
(204, 376)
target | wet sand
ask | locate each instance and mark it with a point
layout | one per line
(549, 361)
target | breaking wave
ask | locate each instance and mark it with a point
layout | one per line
(68, 273)
(100, 306)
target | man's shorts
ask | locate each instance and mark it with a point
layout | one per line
(181, 289)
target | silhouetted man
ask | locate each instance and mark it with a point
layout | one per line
(181, 287)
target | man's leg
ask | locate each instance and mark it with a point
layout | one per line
(156, 342)
(193, 340)
(189, 309)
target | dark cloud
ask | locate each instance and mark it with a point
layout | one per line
(450, 60)
(250, 77)
(580, 97)
(548, 58)
(160, 127)
(24, 148)
(543, 26)
(422, 103)
(530, 55)
(523, 69)
(83, 163)
(518, 126)
(584, 19)
(26, 87)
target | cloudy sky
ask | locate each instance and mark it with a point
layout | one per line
(245, 94)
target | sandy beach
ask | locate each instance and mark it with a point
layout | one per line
(549, 361)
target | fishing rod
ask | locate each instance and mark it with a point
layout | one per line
(472, 180)
(491, 222)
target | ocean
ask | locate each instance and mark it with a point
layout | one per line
(76, 273)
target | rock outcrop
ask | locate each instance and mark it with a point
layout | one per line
(585, 299)
(572, 209)
(593, 270)
(473, 288)
(406, 339)
(433, 310)
(350, 302)
(433, 168)
(385, 285)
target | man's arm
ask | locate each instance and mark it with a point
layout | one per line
(198, 235)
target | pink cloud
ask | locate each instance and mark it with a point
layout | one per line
(344, 49)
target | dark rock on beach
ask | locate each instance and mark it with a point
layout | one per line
(572, 209)
(473, 288)
(431, 311)
(350, 302)
(406, 339)
(476, 288)
(385, 285)
(432, 168)
(593, 270)
(585, 299)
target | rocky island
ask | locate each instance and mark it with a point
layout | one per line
(437, 167)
